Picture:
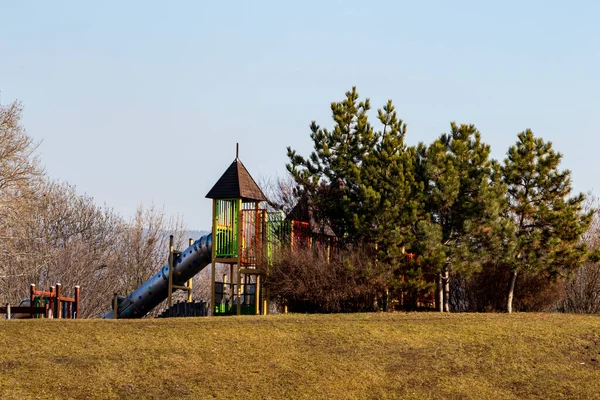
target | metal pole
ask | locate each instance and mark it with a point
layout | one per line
(8, 311)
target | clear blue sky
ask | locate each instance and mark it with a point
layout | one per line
(140, 101)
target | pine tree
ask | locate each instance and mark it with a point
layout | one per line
(549, 222)
(391, 201)
(331, 175)
(362, 182)
(388, 188)
(463, 201)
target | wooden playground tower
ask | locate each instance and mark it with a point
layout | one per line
(241, 233)
(246, 236)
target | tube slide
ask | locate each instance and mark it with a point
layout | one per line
(152, 292)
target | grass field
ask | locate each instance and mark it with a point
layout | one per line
(362, 356)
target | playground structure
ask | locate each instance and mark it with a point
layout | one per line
(245, 236)
(41, 304)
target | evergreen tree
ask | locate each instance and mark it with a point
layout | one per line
(463, 202)
(549, 222)
(391, 198)
(331, 175)
(361, 181)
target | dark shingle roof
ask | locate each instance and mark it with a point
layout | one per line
(236, 183)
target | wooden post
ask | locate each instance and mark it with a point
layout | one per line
(171, 262)
(245, 289)
(51, 301)
(190, 282)
(77, 300)
(115, 306)
(264, 248)
(8, 311)
(223, 294)
(231, 286)
(257, 235)
(292, 235)
(265, 301)
(257, 295)
(239, 256)
(58, 305)
(213, 267)
(239, 291)
(439, 294)
(32, 296)
(265, 291)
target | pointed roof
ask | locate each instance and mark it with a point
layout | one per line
(236, 183)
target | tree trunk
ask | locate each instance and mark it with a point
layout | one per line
(386, 300)
(511, 292)
(439, 295)
(446, 290)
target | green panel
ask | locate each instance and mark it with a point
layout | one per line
(222, 309)
(226, 221)
(244, 310)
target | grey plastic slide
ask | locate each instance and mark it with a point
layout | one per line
(152, 292)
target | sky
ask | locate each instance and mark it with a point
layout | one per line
(142, 102)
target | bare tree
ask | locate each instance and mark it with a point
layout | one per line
(19, 169)
(67, 239)
(20, 173)
(71, 240)
(145, 248)
(582, 291)
(279, 192)
(49, 233)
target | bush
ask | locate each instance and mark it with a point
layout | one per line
(309, 281)
(582, 293)
(487, 290)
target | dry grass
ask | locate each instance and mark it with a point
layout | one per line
(363, 356)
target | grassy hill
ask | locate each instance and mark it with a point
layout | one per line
(363, 356)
